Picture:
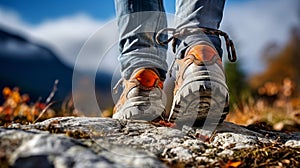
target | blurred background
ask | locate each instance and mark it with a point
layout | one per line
(40, 40)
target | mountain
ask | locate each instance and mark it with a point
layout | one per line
(34, 67)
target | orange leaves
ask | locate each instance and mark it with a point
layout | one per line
(163, 123)
(6, 91)
(166, 124)
(232, 164)
(16, 108)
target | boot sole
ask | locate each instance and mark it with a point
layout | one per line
(199, 102)
(140, 110)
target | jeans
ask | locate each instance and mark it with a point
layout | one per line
(140, 20)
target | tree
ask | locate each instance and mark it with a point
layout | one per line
(236, 81)
(281, 64)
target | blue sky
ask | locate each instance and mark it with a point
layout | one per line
(65, 25)
(36, 11)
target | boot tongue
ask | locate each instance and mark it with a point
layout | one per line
(148, 78)
(202, 52)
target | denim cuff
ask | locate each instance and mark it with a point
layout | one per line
(184, 43)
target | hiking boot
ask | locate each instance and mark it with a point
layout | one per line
(201, 93)
(142, 97)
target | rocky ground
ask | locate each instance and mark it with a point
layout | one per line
(104, 142)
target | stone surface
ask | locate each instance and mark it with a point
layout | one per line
(104, 142)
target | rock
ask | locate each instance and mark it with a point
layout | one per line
(48, 150)
(293, 143)
(105, 142)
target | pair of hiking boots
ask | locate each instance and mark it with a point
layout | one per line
(200, 91)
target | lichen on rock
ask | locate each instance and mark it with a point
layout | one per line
(106, 142)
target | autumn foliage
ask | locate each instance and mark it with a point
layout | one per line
(282, 63)
(18, 108)
(273, 96)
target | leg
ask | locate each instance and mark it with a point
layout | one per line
(199, 13)
(201, 94)
(143, 62)
(138, 22)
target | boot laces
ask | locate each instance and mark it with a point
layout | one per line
(184, 32)
(118, 84)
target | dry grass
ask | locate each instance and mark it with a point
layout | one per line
(270, 155)
(284, 117)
